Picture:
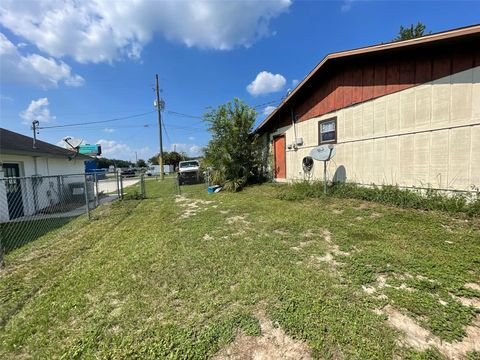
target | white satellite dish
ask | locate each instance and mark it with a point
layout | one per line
(73, 142)
(323, 152)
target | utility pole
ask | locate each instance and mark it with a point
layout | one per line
(159, 110)
(35, 123)
(136, 158)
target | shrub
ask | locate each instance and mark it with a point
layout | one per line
(232, 151)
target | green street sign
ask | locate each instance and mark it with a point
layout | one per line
(92, 150)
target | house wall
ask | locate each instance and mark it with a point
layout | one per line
(426, 135)
(40, 193)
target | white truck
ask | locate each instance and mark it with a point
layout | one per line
(189, 172)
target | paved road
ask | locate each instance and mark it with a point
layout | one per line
(110, 185)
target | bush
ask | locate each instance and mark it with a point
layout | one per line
(389, 194)
(232, 151)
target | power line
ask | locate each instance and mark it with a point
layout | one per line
(98, 122)
(166, 133)
(103, 127)
(176, 113)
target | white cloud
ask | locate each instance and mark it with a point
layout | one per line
(117, 150)
(33, 68)
(191, 138)
(266, 83)
(103, 31)
(37, 110)
(295, 82)
(268, 110)
(109, 130)
(189, 149)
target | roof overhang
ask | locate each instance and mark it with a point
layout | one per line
(34, 153)
(374, 49)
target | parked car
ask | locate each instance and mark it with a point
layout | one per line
(127, 173)
(189, 172)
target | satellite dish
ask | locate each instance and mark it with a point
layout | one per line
(72, 142)
(323, 152)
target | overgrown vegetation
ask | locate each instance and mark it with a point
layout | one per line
(232, 151)
(388, 194)
(178, 277)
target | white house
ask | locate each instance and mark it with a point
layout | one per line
(36, 169)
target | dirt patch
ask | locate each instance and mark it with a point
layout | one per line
(306, 243)
(327, 235)
(472, 286)
(207, 237)
(337, 211)
(376, 215)
(381, 283)
(308, 233)
(237, 219)
(331, 251)
(421, 339)
(273, 343)
(190, 206)
(468, 301)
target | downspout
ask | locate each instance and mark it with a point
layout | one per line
(294, 128)
(35, 168)
(34, 184)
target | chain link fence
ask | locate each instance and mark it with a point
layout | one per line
(173, 185)
(33, 206)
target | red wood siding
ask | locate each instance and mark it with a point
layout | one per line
(361, 81)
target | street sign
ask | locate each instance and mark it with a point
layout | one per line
(91, 150)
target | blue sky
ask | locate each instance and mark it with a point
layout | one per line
(67, 62)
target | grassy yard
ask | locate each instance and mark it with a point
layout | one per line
(211, 275)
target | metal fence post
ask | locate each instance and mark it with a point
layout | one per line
(2, 251)
(86, 196)
(121, 186)
(96, 189)
(118, 184)
(142, 185)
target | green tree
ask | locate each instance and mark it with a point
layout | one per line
(411, 32)
(232, 150)
(141, 163)
(173, 158)
(103, 163)
(169, 158)
(153, 160)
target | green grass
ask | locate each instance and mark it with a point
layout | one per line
(19, 233)
(141, 281)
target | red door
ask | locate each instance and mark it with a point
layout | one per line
(279, 157)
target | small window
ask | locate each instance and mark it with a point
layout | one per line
(327, 131)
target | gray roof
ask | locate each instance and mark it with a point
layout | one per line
(15, 143)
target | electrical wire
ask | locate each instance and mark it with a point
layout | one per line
(96, 128)
(97, 122)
